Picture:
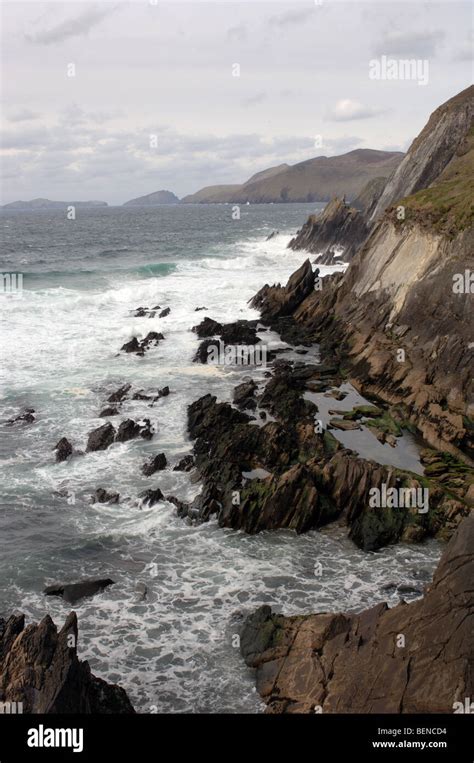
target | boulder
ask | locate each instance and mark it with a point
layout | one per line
(155, 464)
(74, 592)
(103, 496)
(101, 438)
(151, 496)
(63, 449)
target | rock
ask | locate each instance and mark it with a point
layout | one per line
(119, 395)
(26, 417)
(102, 496)
(202, 353)
(73, 592)
(344, 424)
(141, 312)
(182, 507)
(207, 328)
(157, 463)
(151, 496)
(165, 312)
(132, 346)
(353, 663)
(129, 429)
(277, 301)
(101, 438)
(110, 410)
(163, 392)
(272, 235)
(244, 395)
(197, 309)
(152, 339)
(185, 464)
(39, 667)
(63, 450)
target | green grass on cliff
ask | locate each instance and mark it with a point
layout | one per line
(448, 205)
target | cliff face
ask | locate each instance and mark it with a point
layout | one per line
(39, 667)
(398, 319)
(431, 151)
(413, 658)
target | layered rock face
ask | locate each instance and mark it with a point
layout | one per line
(413, 658)
(339, 226)
(398, 321)
(39, 667)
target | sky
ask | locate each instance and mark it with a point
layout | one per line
(114, 99)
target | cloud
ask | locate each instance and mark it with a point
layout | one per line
(413, 44)
(73, 27)
(23, 115)
(291, 17)
(347, 110)
(466, 46)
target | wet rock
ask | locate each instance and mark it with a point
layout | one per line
(141, 312)
(103, 496)
(182, 506)
(207, 328)
(334, 661)
(202, 353)
(142, 591)
(277, 301)
(129, 429)
(39, 667)
(185, 464)
(272, 235)
(132, 346)
(197, 309)
(73, 592)
(110, 410)
(165, 312)
(26, 417)
(151, 496)
(119, 395)
(155, 464)
(344, 424)
(152, 339)
(63, 450)
(101, 438)
(244, 395)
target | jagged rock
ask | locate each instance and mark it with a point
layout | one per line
(101, 438)
(119, 395)
(39, 667)
(165, 312)
(244, 394)
(152, 338)
(151, 496)
(272, 235)
(197, 309)
(132, 346)
(277, 301)
(155, 464)
(129, 429)
(26, 417)
(338, 226)
(185, 464)
(103, 496)
(207, 328)
(63, 449)
(73, 592)
(110, 410)
(356, 663)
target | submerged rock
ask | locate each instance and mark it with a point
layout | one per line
(151, 496)
(73, 592)
(63, 450)
(39, 667)
(103, 496)
(26, 417)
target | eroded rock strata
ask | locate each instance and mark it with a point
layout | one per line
(39, 667)
(412, 658)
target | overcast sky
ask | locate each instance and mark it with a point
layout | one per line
(147, 68)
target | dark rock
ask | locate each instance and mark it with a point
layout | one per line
(129, 429)
(120, 394)
(63, 449)
(272, 235)
(152, 338)
(182, 507)
(208, 327)
(244, 395)
(140, 312)
(151, 496)
(26, 417)
(101, 438)
(197, 309)
(73, 592)
(276, 301)
(132, 346)
(155, 464)
(185, 464)
(165, 312)
(110, 410)
(39, 667)
(102, 496)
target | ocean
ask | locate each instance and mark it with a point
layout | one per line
(175, 651)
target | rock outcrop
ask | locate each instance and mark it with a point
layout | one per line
(334, 234)
(39, 667)
(413, 658)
